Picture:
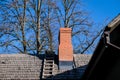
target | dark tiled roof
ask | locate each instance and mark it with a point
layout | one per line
(19, 66)
(80, 62)
(106, 57)
(24, 66)
(81, 59)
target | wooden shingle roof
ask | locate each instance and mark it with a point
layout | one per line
(29, 67)
(19, 66)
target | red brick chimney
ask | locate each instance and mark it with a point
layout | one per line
(65, 49)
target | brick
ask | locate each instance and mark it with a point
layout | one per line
(65, 48)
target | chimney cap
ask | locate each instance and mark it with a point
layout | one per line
(65, 30)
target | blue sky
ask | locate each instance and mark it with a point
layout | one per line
(100, 10)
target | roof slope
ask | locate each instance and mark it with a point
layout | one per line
(106, 57)
(80, 64)
(24, 66)
(114, 23)
(81, 59)
(19, 66)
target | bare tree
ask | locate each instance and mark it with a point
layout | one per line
(39, 3)
(14, 21)
(31, 26)
(22, 21)
(72, 15)
(22, 27)
(49, 23)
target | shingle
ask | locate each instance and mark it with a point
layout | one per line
(20, 66)
(81, 59)
(24, 66)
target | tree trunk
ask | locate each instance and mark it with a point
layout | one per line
(49, 29)
(23, 27)
(38, 25)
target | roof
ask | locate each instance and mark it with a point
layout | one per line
(24, 66)
(19, 66)
(114, 23)
(105, 62)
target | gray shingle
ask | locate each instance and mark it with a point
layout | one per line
(24, 66)
(19, 66)
(81, 59)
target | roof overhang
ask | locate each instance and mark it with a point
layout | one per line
(105, 62)
(114, 23)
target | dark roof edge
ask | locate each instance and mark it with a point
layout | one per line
(94, 60)
(114, 23)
